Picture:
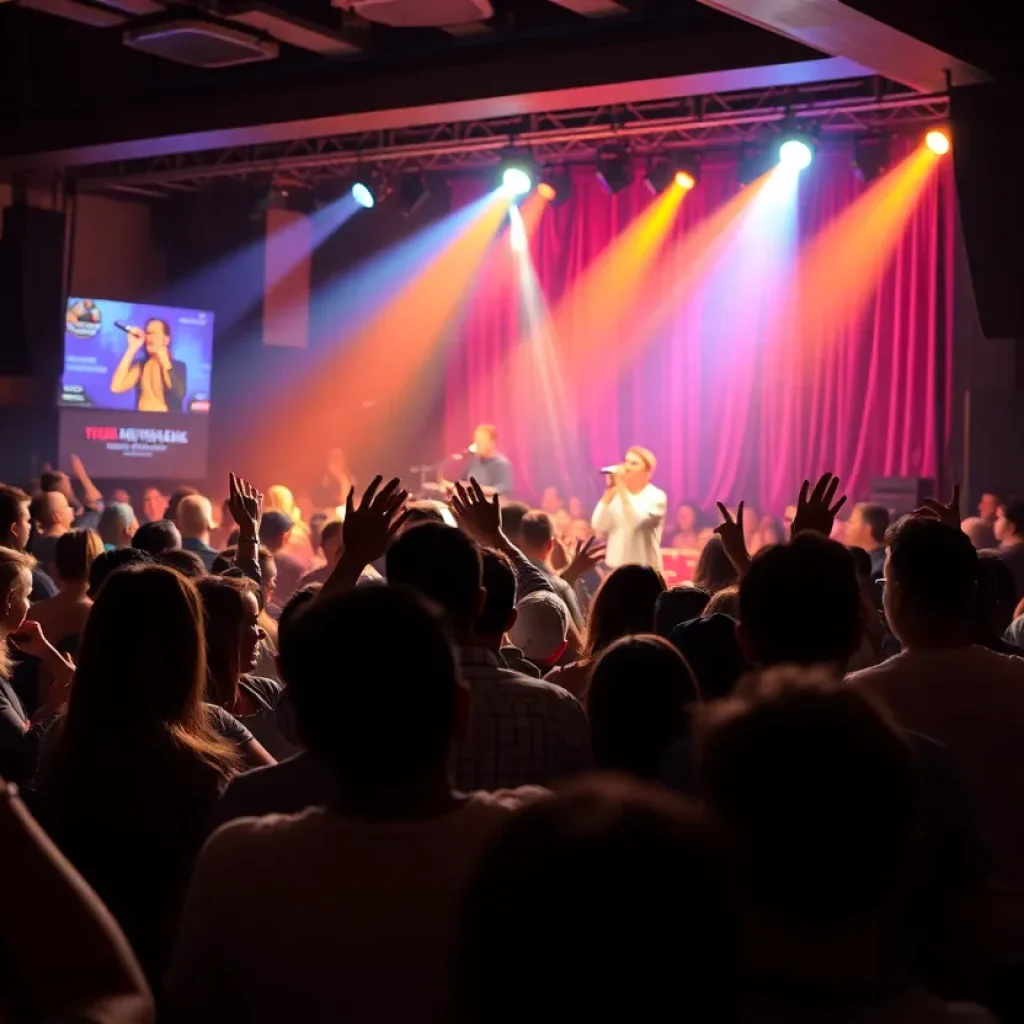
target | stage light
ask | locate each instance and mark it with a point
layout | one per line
(413, 192)
(516, 181)
(937, 141)
(658, 176)
(614, 172)
(516, 174)
(554, 186)
(363, 195)
(795, 153)
(871, 157)
(687, 173)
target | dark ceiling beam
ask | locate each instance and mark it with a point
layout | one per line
(832, 27)
(482, 83)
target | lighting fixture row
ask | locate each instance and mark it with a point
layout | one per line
(518, 174)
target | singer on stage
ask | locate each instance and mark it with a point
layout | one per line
(486, 464)
(159, 380)
(631, 512)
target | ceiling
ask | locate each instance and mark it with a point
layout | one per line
(74, 94)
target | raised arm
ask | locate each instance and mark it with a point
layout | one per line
(481, 517)
(126, 374)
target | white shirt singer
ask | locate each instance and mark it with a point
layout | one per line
(632, 512)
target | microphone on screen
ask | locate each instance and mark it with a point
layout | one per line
(122, 326)
(610, 470)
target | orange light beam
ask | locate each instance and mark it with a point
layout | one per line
(590, 315)
(838, 269)
(678, 274)
(373, 376)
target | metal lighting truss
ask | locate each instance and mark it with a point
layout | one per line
(726, 120)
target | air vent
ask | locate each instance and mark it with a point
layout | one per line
(200, 44)
(419, 13)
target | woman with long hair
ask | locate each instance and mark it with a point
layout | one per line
(19, 732)
(623, 606)
(714, 570)
(137, 763)
(234, 639)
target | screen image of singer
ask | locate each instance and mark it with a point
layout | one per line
(135, 390)
(130, 355)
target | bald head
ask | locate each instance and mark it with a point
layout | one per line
(53, 511)
(194, 516)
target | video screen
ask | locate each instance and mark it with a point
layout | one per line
(135, 392)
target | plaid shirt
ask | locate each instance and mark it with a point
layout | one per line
(521, 731)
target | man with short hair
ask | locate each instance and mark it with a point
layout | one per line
(499, 613)
(866, 530)
(800, 604)
(15, 530)
(1009, 531)
(988, 507)
(521, 731)
(358, 900)
(537, 541)
(488, 466)
(195, 520)
(157, 538)
(968, 698)
(332, 546)
(632, 511)
(154, 504)
(275, 529)
(52, 515)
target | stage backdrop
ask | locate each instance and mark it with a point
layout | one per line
(741, 392)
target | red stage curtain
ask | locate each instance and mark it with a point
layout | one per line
(740, 417)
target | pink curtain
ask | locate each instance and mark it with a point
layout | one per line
(732, 407)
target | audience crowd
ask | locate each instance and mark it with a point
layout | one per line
(399, 760)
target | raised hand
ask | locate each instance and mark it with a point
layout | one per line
(136, 339)
(734, 543)
(949, 514)
(370, 525)
(478, 516)
(588, 555)
(816, 511)
(245, 504)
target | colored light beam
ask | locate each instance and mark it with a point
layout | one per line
(678, 274)
(239, 279)
(842, 265)
(536, 370)
(378, 369)
(591, 317)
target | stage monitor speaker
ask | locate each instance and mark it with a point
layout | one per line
(32, 296)
(900, 494)
(986, 161)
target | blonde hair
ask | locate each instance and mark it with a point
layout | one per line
(12, 565)
(645, 455)
(280, 499)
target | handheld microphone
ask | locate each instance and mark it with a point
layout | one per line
(472, 449)
(122, 326)
(609, 470)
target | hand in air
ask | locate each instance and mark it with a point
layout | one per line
(475, 514)
(588, 555)
(136, 339)
(734, 543)
(816, 511)
(370, 525)
(245, 504)
(948, 515)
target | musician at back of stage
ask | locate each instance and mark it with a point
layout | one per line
(488, 466)
(632, 511)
